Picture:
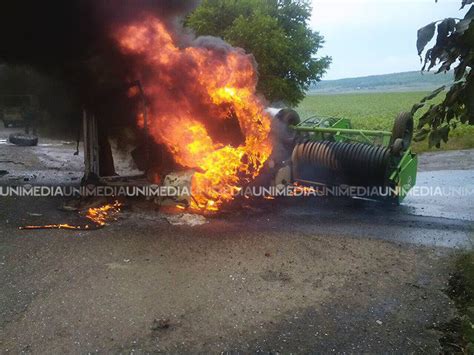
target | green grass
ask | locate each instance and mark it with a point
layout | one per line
(460, 331)
(377, 111)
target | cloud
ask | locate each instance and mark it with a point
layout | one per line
(361, 35)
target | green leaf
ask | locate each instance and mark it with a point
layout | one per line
(434, 94)
(425, 34)
(421, 135)
(434, 139)
(277, 33)
(466, 2)
(470, 14)
(444, 133)
(463, 25)
(416, 107)
(459, 71)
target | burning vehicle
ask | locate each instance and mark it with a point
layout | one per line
(201, 108)
(193, 106)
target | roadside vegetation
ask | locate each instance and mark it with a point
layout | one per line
(277, 33)
(377, 111)
(453, 50)
(459, 333)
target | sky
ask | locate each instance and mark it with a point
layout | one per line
(370, 37)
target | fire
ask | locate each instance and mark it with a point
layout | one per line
(101, 215)
(192, 92)
(98, 215)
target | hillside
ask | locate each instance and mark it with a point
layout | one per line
(407, 81)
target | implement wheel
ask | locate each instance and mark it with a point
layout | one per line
(288, 116)
(403, 129)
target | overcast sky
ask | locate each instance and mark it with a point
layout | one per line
(368, 37)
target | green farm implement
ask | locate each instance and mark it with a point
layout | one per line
(330, 152)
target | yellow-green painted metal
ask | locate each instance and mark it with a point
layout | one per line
(340, 130)
(403, 177)
(402, 174)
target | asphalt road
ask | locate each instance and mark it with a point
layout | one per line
(320, 275)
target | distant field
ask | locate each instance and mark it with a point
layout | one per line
(377, 111)
(396, 82)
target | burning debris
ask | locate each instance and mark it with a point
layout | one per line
(99, 216)
(186, 219)
(195, 94)
(202, 111)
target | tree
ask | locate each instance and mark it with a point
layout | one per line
(276, 32)
(454, 47)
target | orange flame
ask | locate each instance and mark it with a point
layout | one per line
(192, 91)
(98, 215)
(101, 215)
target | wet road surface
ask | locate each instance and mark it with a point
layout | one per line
(315, 275)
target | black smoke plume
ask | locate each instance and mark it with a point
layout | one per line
(70, 40)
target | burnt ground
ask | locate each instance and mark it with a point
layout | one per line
(321, 275)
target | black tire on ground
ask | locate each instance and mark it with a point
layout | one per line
(403, 129)
(24, 140)
(288, 116)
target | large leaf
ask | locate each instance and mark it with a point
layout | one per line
(421, 134)
(416, 107)
(445, 27)
(463, 25)
(470, 13)
(469, 98)
(434, 139)
(434, 93)
(444, 133)
(425, 34)
(466, 2)
(459, 71)
(454, 47)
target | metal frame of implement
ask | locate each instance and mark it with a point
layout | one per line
(402, 166)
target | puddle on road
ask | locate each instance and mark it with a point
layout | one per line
(59, 144)
(444, 194)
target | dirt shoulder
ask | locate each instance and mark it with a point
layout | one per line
(318, 277)
(144, 285)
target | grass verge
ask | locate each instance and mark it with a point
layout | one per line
(459, 333)
(377, 111)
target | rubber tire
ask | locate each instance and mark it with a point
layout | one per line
(403, 129)
(288, 116)
(397, 147)
(23, 140)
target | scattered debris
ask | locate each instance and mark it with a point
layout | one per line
(100, 216)
(81, 204)
(186, 219)
(160, 324)
(34, 214)
(379, 322)
(3, 172)
(273, 276)
(181, 181)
